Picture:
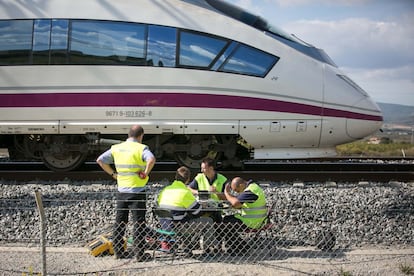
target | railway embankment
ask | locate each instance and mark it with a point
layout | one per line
(364, 213)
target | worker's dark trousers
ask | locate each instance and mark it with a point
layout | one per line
(229, 231)
(136, 203)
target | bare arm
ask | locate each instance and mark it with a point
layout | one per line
(194, 191)
(220, 195)
(150, 165)
(107, 168)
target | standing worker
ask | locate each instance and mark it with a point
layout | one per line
(133, 162)
(209, 181)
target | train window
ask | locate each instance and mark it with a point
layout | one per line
(197, 50)
(77, 41)
(41, 41)
(249, 61)
(101, 42)
(59, 41)
(15, 41)
(227, 52)
(161, 46)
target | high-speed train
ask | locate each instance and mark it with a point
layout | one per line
(203, 77)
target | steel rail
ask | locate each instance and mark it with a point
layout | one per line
(267, 171)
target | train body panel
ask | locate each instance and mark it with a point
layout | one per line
(197, 87)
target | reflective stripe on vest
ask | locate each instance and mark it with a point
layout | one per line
(204, 184)
(128, 161)
(253, 214)
(177, 197)
(128, 166)
(126, 173)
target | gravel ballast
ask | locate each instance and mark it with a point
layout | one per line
(360, 215)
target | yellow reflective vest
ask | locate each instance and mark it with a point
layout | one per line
(179, 199)
(254, 213)
(128, 162)
(204, 184)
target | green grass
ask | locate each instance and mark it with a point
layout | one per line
(343, 272)
(362, 148)
(406, 269)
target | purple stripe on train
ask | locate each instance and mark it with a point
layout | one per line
(172, 100)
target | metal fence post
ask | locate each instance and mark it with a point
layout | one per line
(41, 210)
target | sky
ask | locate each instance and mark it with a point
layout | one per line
(371, 41)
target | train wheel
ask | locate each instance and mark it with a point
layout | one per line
(63, 153)
(64, 162)
(199, 147)
(31, 146)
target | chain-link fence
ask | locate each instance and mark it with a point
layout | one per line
(309, 222)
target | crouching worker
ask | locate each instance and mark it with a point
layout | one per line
(185, 212)
(250, 199)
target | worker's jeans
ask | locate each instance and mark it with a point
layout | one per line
(136, 203)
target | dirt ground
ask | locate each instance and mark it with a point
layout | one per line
(295, 261)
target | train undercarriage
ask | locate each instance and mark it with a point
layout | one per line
(68, 152)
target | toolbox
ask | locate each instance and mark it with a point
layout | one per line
(103, 245)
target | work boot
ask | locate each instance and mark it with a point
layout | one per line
(122, 255)
(151, 243)
(166, 246)
(212, 251)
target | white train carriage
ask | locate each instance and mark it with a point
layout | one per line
(204, 78)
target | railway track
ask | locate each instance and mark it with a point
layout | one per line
(321, 170)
